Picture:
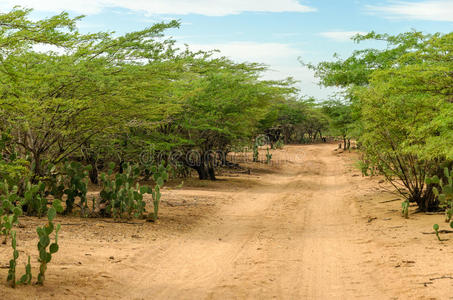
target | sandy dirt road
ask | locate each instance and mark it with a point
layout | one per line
(307, 228)
(289, 238)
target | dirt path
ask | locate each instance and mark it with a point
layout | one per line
(288, 239)
(309, 227)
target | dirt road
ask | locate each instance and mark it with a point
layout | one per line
(298, 230)
(287, 238)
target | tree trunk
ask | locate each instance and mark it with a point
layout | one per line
(37, 171)
(94, 174)
(426, 201)
(202, 174)
(211, 173)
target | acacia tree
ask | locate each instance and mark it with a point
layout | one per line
(223, 104)
(341, 121)
(406, 113)
(294, 120)
(55, 102)
(402, 95)
(97, 97)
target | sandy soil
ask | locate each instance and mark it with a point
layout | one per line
(307, 227)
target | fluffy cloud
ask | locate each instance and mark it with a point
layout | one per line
(340, 36)
(151, 7)
(281, 58)
(440, 10)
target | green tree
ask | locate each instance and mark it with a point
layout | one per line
(400, 97)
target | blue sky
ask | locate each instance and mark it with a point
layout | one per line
(275, 32)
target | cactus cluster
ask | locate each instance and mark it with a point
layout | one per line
(122, 197)
(76, 185)
(35, 201)
(11, 278)
(445, 196)
(9, 216)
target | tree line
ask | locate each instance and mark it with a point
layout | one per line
(102, 97)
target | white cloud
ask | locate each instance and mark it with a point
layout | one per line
(281, 58)
(340, 36)
(152, 7)
(431, 10)
(268, 53)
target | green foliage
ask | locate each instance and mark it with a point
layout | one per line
(93, 87)
(357, 69)
(341, 118)
(45, 248)
(13, 169)
(400, 107)
(294, 120)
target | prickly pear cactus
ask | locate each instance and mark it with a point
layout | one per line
(10, 210)
(45, 247)
(77, 185)
(268, 156)
(26, 278)
(160, 176)
(405, 209)
(444, 193)
(121, 196)
(13, 262)
(255, 153)
(34, 199)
